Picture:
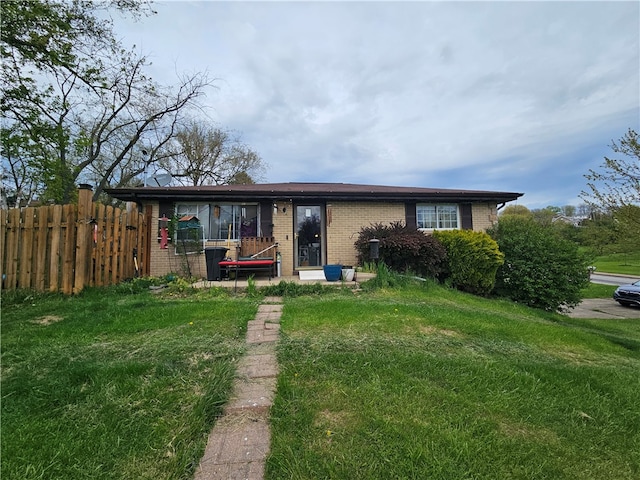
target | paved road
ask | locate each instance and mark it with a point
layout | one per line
(612, 279)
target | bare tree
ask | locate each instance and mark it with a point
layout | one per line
(203, 155)
(19, 181)
(81, 105)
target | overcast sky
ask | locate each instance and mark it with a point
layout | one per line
(506, 96)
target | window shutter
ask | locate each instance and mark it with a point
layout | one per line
(467, 218)
(410, 215)
(165, 208)
(266, 219)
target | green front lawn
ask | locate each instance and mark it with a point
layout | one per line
(115, 386)
(430, 383)
(417, 382)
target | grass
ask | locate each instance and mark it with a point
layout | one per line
(622, 263)
(115, 385)
(598, 290)
(415, 381)
(425, 382)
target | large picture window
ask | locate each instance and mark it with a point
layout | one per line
(437, 217)
(224, 221)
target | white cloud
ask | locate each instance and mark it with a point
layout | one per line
(493, 93)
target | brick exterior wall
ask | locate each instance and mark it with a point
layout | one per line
(283, 220)
(484, 216)
(343, 221)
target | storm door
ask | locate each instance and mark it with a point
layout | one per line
(309, 226)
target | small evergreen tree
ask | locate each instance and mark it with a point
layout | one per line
(472, 260)
(540, 269)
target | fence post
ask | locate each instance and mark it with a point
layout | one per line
(146, 240)
(83, 238)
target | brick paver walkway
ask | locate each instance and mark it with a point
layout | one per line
(239, 442)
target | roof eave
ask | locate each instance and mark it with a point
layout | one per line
(140, 195)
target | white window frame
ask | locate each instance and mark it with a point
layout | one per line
(200, 210)
(206, 211)
(437, 216)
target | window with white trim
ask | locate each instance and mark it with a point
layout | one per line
(199, 210)
(222, 221)
(437, 217)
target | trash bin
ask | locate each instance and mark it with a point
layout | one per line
(214, 255)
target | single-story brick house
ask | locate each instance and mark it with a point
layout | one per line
(314, 224)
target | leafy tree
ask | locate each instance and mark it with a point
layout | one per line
(628, 231)
(78, 107)
(540, 269)
(617, 185)
(568, 231)
(516, 210)
(545, 216)
(599, 233)
(202, 155)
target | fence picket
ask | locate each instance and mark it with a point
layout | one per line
(67, 247)
(3, 244)
(98, 277)
(41, 227)
(54, 248)
(12, 251)
(107, 241)
(69, 215)
(26, 251)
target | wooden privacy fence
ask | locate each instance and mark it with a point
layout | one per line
(67, 247)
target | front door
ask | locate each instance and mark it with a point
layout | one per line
(308, 239)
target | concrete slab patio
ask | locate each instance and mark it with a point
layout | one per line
(261, 281)
(603, 308)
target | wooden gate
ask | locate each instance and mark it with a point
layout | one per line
(67, 247)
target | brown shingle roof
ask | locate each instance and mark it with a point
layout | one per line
(308, 191)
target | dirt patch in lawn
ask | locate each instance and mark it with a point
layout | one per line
(431, 330)
(47, 320)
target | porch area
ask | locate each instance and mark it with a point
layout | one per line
(262, 281)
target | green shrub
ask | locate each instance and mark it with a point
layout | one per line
(403, 249)
(473, 259)
(540, 269)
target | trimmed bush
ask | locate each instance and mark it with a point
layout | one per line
(541, 269)
(473, 259)
(403, 249)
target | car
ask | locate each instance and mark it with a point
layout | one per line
(628, 295)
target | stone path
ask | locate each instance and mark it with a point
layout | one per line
(239, 442)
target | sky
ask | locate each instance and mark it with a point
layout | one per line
(503, 96)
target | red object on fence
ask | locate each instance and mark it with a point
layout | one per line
(164, 237)
(164, 232)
